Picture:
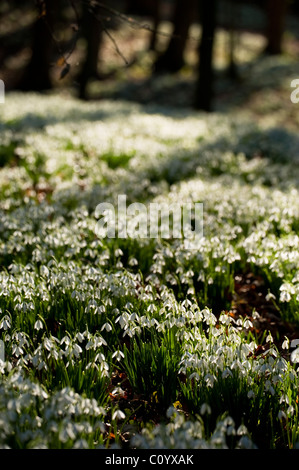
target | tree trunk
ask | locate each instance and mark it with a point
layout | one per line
(92, 31)
(37, 73)
(276, 12)
(232, 67)
(156, 20)
(173, 58)
(204, 89)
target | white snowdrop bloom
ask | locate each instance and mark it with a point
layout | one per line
(209, 379)
(227, 373)
(91, 344)
(133, 317)
(118, 392)
(195, 376)
(118, 252)
(118, 414)
(269, 387)
(247, 324)
(225, 319)
(286, 343)
(270, 296)
(130, 332)
(99, 341)
(285, 296)
(144, 321)
(76, 350)
(67, 432)
(5, 323)
(80, 337)
(205, 409)
(65, 340)
(269, 338)
(290, 410)
(17, 350)
(38, 325)
(104, 368)
(81, 444)
(122, 320)
(246, 443)
(100, 309)
(255, 314)
(209, 318)
(281, 415)
(42, 365)
(44, 271)
(118, 355)
(231, 431)
(294, 343)
(284, 399)
(152, 308)
(106, 326)
(295, 356)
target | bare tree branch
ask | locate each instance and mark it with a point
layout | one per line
(106, 31)
(131, 21)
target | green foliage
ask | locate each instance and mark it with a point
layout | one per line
(152, 368)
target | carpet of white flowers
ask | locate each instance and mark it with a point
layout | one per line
(133, 342)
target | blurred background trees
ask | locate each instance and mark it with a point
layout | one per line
(36, 75)
(56, 42)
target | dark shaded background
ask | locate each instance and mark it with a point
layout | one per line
(48, 44)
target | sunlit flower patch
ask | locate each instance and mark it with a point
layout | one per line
(142, 342)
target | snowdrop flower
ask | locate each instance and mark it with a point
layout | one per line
(80, 337)
(295, 356)
(290, 410)
(42, 365)
(247, 324)
(281, 415)
(226, 373)
(294, 343)
(285, 296)
(67, 432)
(205, 408)
(38, 325)
(133, 262)
(76, 350)
(122, 319)
(107, 327)
(130, 332)
(119, 355)
(81, 444)
(44, 271)
(195, 376)
(270, 296)
(255, 314)
(5, 323)
(118, 414)
(269, 338)
(118, 392)
(209, 379)
(269, 387)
